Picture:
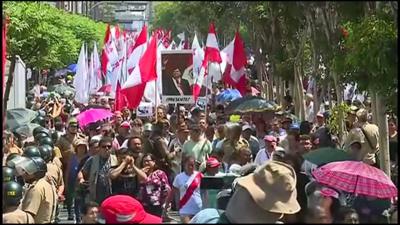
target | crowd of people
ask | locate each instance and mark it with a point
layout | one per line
(135, 170)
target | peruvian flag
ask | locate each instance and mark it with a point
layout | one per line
(109, 55)
(211, 55)
(138, 50)
(212, 50)
(4, 52)
(144, 72)
(120, 99)
(234, 71)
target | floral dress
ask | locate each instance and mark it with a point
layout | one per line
(154, 191)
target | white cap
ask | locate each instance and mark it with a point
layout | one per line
(245, 127)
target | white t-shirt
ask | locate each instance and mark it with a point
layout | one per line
(182, 181)
(261, 157)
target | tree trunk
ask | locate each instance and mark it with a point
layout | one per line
(339, 101)
(9, 84)
(300, 93)
(384, 154)
(277, 89)
(283, 89)
(374, 108)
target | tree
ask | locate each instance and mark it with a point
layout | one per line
(46, 37)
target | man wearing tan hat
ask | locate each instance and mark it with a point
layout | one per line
(263, 196)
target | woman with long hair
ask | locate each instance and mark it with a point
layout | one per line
(155, 189)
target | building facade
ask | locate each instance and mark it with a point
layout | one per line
(131, 15)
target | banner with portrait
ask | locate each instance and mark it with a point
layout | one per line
(177, 77)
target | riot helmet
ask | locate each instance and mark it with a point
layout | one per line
(46, 141)
(40, 136)
(35, 166)
(12, 193)
(38, 130)
(31, 151)
(46, 151)
(8, 174)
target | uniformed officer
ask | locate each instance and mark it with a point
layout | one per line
(41, 196)
(56, 155)
(233, 142)
(42, 137)
(54, 173)
(11, 161)
(12, 195)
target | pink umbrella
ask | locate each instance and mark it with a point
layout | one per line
(357, 178)
(92, 116)
(105, 88)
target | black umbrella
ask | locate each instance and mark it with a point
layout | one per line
(251, 104)
(18, 117)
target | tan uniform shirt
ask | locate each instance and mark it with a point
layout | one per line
(228, 147)
(58, 162)
(368, 151)
(18, 217)
(55, 173)
(40, 200)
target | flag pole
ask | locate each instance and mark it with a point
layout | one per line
(207, 82)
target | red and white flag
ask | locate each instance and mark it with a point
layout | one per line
(138, 50)
(212, 50)
(211, 55)
(144, 72)
(120, 98)
(234, 71)
(109, 55)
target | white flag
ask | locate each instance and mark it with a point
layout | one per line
(81, 79)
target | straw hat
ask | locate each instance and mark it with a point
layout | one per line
(273, 187)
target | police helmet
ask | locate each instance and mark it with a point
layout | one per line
(40, 120)
(32, 166)
(12, 193)
(31, 151)
(38, 130)
(8, 174)
(46, 141)
(46, 151)
(12, 160)
(54, 136)
(40, 136)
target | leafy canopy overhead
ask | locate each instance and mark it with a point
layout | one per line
(47, 37)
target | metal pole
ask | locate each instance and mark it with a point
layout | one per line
(207, 84)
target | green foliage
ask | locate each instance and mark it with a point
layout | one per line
(334, 118)
(369, 56)
(46, 37)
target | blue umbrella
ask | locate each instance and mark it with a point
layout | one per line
(72, 68)
(228, 95)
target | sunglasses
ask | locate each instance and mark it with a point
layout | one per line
(106, 146)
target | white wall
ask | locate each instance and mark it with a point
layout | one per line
(17, 97)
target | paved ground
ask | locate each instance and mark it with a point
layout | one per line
(63, 216)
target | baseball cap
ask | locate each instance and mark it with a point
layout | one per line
(148, 127)
(270, 138)
(95, 139)
(125, 124)
(245, 127)
(124, 209)
(212, 162)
